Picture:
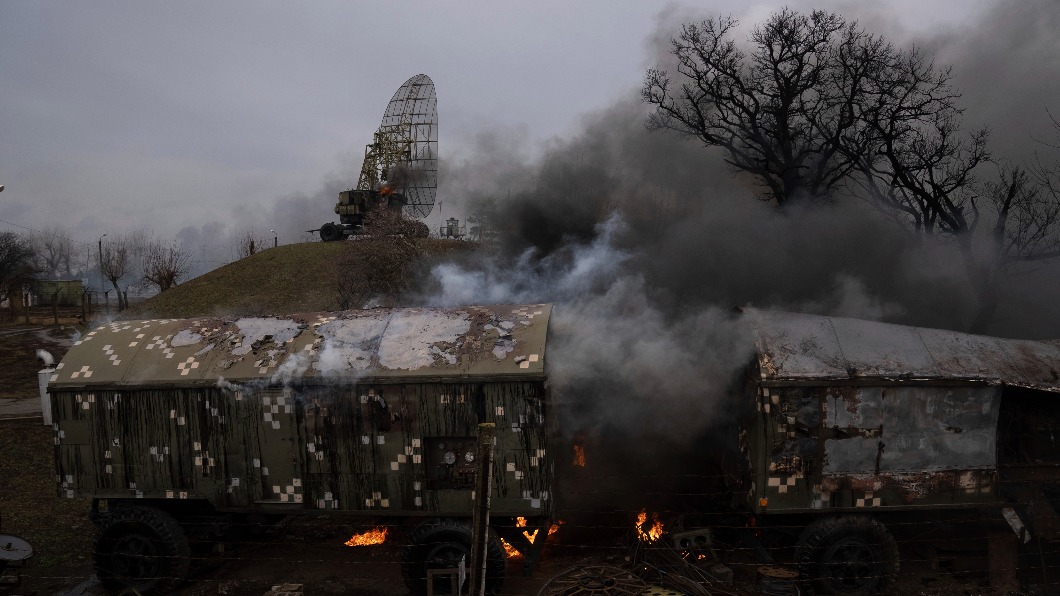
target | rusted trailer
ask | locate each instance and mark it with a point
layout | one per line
(851, 424)
(170, 425)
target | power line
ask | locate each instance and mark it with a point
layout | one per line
(11, 223)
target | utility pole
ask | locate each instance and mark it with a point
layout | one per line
(480, 525)
(102, 287)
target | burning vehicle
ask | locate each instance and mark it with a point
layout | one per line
(847, 426)
(174, 427)
(854, 424)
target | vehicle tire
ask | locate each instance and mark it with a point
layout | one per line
(848, 554)
(141, 549)
(330, 232)
(440, 544)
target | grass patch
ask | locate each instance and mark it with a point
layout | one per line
(292, 278)
(58, 528)
(287, 279)
(30, 507)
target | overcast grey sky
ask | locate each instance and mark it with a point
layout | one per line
(117, 116)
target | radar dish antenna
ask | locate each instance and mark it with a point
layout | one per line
(400, 169)
(404, 154)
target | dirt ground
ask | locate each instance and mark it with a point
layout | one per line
(312, 554)
(311, 551)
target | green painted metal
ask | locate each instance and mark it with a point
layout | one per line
(363, 411)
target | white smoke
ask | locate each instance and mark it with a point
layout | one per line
(565, 275)
(615, 358)
(291, 370)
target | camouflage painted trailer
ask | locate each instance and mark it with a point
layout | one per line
(369, 412)
(856, 420)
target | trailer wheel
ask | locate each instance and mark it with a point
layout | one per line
(440, 544)
(141, 549)
(330, 232)
(848, 554)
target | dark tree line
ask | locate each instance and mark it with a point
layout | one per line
(52, 254)
(817, 110)
(17, 265)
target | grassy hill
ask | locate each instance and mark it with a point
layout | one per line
(297, 278)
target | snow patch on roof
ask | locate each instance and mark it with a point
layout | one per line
(417, 339)
(349, 344)
(185, 338)
(257, 329)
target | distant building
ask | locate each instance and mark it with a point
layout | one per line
(64, 292)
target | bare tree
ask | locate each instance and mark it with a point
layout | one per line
(16, 266)
(249, 243)
(928, 173)
(789, 113)
(920, 163)
(820, 108)
(54, 250)
(484, 219)
(140, 243)
(164, 264)
(1024, 204)
(116, 264)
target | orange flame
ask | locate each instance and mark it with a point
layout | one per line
(654, 532)
(579, 456)
(520, 522)
(373, 536)
(510, 550)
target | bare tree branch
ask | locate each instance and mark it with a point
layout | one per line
(790, 113)
(164, 264)
(116, 264)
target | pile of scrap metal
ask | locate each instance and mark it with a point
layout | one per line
(681, 562)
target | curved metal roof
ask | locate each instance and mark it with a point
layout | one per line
(377, 345)
(798, 347)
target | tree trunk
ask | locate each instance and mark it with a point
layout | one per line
(987, 298)
(117, 295)
(983, 279)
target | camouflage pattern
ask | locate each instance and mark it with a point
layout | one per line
(861, 415)
(367, 411)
